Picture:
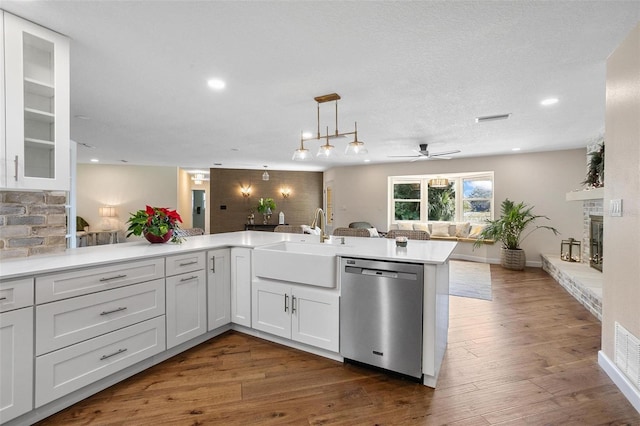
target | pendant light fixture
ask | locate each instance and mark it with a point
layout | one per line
(326, 150)
(439, 183)
(301, 153)
(265, 175)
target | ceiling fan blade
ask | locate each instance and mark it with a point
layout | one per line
(439, 157)
(405, 156)
(439, 154)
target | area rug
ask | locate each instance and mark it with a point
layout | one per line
(470, 279)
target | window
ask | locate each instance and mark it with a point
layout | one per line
(477, 194)
(406, 201)
(467, 198)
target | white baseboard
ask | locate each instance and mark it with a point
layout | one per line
(620, 380)
(482, 259)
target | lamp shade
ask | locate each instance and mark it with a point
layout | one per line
(107, 211)
(439, 183)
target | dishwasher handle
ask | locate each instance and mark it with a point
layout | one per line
(379, 273)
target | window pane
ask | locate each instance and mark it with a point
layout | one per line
(407, 210)
(477, 210)
(406, 191)
(477, 188)
(442, 203)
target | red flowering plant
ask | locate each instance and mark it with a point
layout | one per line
(158, 221)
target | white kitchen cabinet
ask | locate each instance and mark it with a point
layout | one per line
(241, 286)
(66, 370)
(218, 288)
(186, 299)
(16, 363)
(298, 313)
(36, 110)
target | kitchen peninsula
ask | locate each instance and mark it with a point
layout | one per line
(94, 316)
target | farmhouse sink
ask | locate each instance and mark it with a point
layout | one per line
(304, 263)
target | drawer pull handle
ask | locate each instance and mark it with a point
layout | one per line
(213, 264)
(2, 298)
(15, 161)
(118, 352)
(193, 277)
(286, 302)
(112, 278)
(293, 304)
(112, 311)
(189, 263)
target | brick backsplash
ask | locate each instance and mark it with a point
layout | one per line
(32, 223)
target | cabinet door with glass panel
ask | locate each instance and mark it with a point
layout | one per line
(37, 106)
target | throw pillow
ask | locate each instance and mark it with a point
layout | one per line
(462, 229)
(476, 230)
(405, 226)
(421, 227)
(373, 232)
(440, 229)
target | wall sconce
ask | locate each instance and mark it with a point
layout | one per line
(245, 191)
(286, 192)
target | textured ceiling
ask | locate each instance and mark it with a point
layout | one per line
(408, 73)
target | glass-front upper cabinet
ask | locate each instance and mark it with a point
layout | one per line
(36, 72)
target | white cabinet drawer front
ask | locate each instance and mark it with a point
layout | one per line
(16, 294)
(90, 280)
(70, 321)
(185, 263)
(66, 370)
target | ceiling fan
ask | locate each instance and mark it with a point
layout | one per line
(424, 153)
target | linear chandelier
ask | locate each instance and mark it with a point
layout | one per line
(326, 150)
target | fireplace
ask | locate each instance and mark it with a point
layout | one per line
(595, 242)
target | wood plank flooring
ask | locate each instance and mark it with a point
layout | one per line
(528, 357)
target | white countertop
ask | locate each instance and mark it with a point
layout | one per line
(427, 252)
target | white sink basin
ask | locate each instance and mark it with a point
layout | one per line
(305, 263)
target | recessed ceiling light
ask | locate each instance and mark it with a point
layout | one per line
(367, 160)
(216, 84)
(82, 117)
(94, 160)
(515, 149)
(549, 101)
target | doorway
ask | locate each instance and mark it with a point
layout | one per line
(198, 203)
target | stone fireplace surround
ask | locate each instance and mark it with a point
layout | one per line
(582, 281)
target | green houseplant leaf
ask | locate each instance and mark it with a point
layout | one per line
(510, 228)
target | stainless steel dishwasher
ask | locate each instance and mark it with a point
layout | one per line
(381, 314)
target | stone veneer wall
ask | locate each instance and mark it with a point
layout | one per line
(32, 223)
(589, 207)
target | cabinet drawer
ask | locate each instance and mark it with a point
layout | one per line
(66, 370)
(185, 263)
(16, 294)
(70, 321)
(90, 280)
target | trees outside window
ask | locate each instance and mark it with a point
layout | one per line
(442, 203)
(406, 200)
(477, 194)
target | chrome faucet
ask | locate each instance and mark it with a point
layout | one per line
(323, 222)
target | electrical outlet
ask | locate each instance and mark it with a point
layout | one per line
(615, 208)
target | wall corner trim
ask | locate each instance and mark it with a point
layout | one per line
(628, 390)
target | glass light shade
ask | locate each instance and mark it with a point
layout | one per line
(325, 150)
(356, 148)
(301, 154)
(265, 175)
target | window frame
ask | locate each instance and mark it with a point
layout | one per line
(423, 180)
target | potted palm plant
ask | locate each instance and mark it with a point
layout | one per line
(509, 229)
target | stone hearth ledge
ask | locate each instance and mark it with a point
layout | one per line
(581, 281)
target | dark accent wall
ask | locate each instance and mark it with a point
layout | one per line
(306, 196)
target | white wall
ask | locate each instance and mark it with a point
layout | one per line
(539, 179)
(621, 270)
(128, 188)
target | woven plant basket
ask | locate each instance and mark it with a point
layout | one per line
(512, 259)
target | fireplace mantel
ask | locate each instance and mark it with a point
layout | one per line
(587, 194)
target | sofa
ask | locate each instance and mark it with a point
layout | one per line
(451, 231)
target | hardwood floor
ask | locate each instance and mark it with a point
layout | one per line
(529, 356)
